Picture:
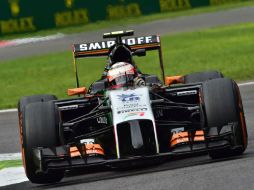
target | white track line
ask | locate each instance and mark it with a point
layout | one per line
(8, 110)
(246, 84)
(34, 39)
(10, 156)
(10, 176)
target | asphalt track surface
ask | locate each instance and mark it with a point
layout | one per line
(187, 173)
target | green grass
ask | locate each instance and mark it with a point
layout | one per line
(10, 163)
(123, 22)
(227, 49)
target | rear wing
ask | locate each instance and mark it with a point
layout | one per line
(95, 49)
(101, 48)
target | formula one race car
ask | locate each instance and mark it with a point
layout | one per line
(129, 117)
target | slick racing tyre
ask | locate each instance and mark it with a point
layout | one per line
(39, 129)
(23, 102)
(202, 76)
(223, 106)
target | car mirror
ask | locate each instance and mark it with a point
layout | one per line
(77, 91)
(173, 80)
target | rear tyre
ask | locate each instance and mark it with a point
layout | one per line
(223, 105)
(39, 129)
(202, 76)
(24, 101)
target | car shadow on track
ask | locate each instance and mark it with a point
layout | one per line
(81, 177)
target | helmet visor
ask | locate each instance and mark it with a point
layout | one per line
(121, 81)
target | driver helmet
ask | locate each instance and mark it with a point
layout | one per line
(121, 74)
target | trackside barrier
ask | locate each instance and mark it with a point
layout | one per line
(19, 16)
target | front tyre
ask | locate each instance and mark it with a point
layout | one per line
(223, 105)
(39, 130)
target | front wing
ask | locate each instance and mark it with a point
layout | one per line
(61, 158)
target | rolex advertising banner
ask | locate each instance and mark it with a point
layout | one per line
(20, 16)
